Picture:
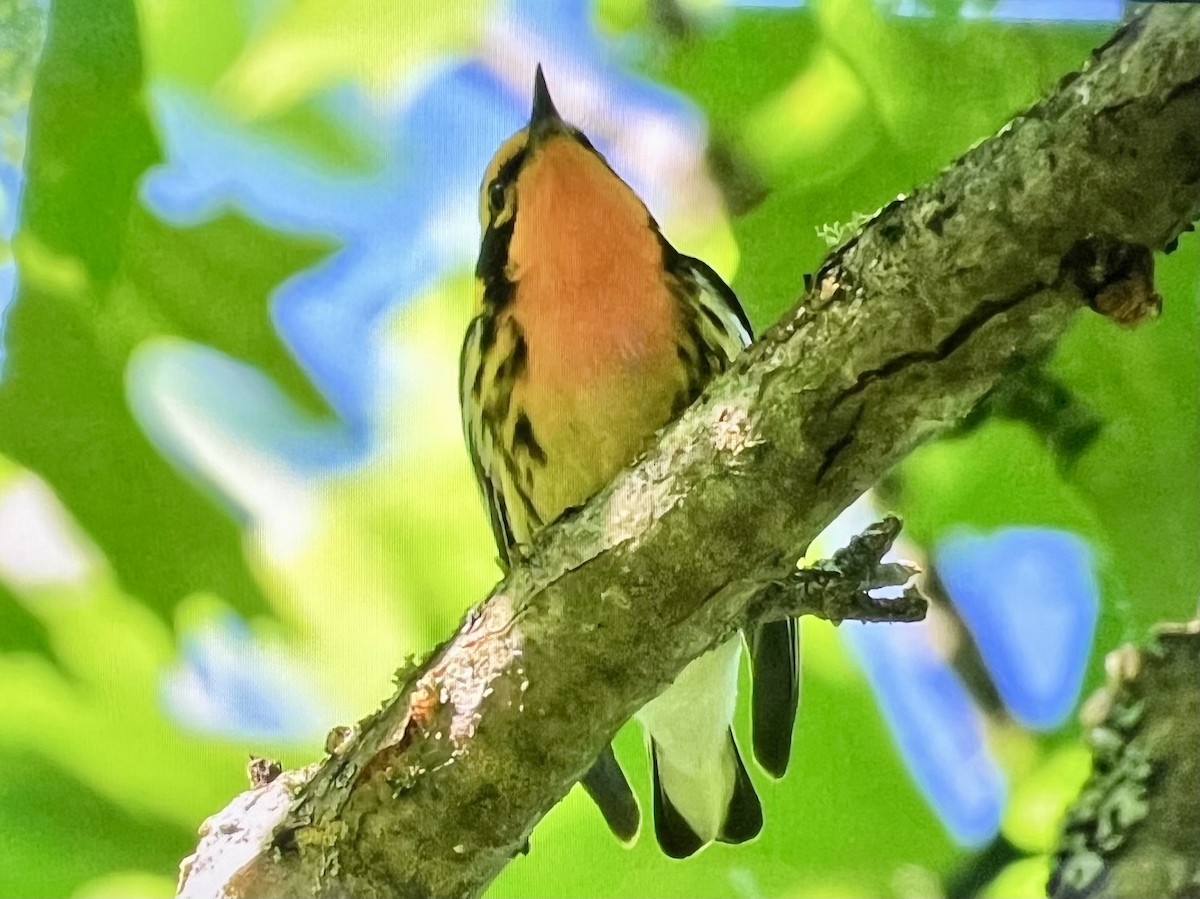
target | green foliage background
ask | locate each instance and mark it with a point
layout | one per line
(843, 108)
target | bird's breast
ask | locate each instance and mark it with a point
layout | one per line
(603, 374)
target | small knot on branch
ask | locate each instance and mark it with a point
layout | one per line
(1116, 278)
(262, 771)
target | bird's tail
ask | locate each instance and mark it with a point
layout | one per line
(693, 807)
(702, 791)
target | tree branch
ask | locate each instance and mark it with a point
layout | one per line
(840, 588)
(901, 332)
(1134, 831)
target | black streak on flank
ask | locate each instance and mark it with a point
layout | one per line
(713, 318)
(487, 338)
(703, 369)
(523, 436)
(700, 268)
(514, 366)
(501, 399)
(487, 335)
(477, 386)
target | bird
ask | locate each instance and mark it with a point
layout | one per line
(591, 332)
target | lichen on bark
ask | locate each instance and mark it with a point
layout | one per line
(1134, 830)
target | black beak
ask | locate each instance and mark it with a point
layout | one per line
(544, 116)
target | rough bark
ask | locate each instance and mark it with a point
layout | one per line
(903, 329)
(1134, 831)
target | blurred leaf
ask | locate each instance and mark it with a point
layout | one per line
(19, 630)
(618, 16)
(89, 138)
(57, 833)
(194, 44)
(1024, 879)
(191, 43)
(1140, 475)
(21, 34)
(845, 107)
(1132, 490)
(124, 884)
(410, 518)
(740, 65)
(951, 484)
(944, 83)
(311, 44)
(211, 284)
(1036, 397)
(809, 119)
(1033, 821)
(113, 660)
(98, 276)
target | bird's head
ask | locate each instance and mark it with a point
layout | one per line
(549, 198)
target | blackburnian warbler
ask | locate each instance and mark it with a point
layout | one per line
(591, 332)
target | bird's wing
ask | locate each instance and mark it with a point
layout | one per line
(774, 647)
(480, 439)
(731, 327)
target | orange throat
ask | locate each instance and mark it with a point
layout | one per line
(591, 295)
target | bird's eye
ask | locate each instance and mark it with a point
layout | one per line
(495, 198)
